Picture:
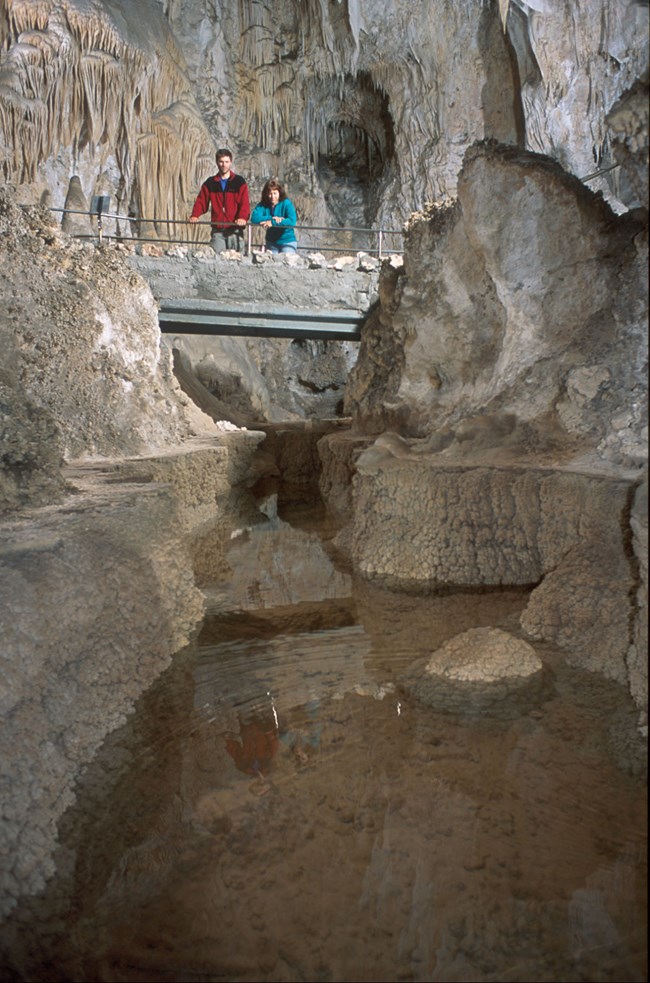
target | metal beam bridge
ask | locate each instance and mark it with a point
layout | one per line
(253, 321)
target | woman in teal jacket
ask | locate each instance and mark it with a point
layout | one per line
(277, 215)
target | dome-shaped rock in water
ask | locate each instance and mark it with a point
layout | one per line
(483, 670)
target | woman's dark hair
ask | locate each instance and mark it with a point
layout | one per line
(272, 185)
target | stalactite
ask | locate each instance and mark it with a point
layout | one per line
(70, 77)
(26, 15)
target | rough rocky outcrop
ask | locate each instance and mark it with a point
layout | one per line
(503, 377)
(81, 345)
(528, 296)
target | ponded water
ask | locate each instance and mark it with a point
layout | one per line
(280, 808)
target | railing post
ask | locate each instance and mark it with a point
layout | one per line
(379, 244)
(249, 239)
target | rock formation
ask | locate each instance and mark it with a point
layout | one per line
(499, 401)
(503, 375)
(95, 557)
(100, 93)
(525, 296)
(82, 343)
(366, 108)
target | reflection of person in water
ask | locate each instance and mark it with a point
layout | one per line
(257, 743)
(303, 736)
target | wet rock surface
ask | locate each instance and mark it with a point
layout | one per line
(483, 670)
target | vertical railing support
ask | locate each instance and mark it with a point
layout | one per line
(380, 239)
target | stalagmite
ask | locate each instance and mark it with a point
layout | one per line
(75, 202)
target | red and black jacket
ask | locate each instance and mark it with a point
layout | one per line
(226, 206)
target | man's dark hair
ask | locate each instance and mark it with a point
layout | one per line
(223, 152)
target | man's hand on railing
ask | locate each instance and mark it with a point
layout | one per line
(193, 220)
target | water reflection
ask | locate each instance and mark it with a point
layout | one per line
(383, 841)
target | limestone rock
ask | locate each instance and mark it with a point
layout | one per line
(366, 263)
(259, 259)
(316, 261)
(583, 606)
(75, 203)
(31, 456)
(344, 263)
(81, 343)
(486, 317)
(628, 119)
(484, 655)
(101, 91)
(417, 523)
(483, 670)
(97, 597)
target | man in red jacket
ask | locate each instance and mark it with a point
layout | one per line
(226, 194)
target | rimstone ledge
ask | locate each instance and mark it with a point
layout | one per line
(419, 524)
(98, 595)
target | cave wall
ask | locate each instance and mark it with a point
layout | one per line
(394, 93)
(99, 91)
(364, 107)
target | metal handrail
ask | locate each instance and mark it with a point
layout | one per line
(103, 216)
(379, 232)
(603, 170)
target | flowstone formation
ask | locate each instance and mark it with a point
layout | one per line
(365, 108)
(502, 381)
(99, 92)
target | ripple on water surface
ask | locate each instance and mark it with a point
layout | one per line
(281, 808)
